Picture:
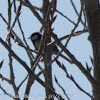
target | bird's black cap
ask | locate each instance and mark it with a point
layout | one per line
(35, 36)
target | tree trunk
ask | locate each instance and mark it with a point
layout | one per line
(93, 19)
(47, 54)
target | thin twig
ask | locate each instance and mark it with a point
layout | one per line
(13, 24)
(69, 37)
(61, 88)
(30, 55)
(76, 25)
(9, 13)
(27, 4)
(33, 69)
(65, 17)
(28, 69)
(8, 94)
(75, 61)
(77, 11)
(66, 36)
(7, 80)
(71, 78)
(22, 82)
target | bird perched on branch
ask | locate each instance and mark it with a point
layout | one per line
(36, 37)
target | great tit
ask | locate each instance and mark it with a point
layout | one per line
(36, 37)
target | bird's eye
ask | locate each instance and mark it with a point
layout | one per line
(34, 37)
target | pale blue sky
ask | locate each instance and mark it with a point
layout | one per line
(79, 46)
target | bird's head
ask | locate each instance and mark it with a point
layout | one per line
(35, 36)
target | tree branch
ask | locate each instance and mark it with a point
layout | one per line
(71, 78)
(75, 61)
(28, 69)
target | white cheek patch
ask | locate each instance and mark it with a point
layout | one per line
(34, 37)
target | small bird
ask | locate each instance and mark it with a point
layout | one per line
(36, 37)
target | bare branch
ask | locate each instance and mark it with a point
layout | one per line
(6, 92)
(9, 13)
(66, 36)
(75, 61)
(22, 82)
(17, 15)
(65, 17)
(1, 63)
(33, 11)
(61, 88)
(77, 11)
(71, 78)
(27, 68)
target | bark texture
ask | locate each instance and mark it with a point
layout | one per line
(93, 20)
(47, 54)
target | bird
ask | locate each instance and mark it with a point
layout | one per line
(36, 38)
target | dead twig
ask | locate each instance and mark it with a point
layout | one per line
(61, 88)
(8, 94)
(71, 78)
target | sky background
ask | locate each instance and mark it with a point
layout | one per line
(79, 46)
